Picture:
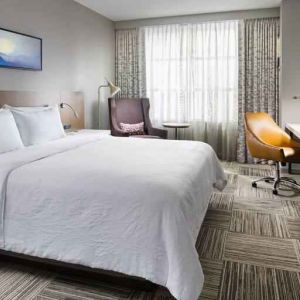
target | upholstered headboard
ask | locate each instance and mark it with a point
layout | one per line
(27, 98)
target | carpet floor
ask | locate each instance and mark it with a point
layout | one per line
(249, 247)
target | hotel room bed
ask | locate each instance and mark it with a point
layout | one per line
(133, 206)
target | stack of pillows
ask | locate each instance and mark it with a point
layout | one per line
(26, 126)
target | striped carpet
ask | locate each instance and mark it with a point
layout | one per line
(248, 246)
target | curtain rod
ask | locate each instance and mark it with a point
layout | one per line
(199, 22)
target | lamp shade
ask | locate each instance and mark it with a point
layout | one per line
(113, 88)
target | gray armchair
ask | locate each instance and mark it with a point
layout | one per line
(132, 111)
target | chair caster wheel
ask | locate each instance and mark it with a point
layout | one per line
(275, 192)
(254, 184)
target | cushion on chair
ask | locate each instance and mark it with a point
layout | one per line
(133, 129)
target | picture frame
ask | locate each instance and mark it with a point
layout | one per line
(20, 51)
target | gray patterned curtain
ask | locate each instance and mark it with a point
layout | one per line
(130, 63)
(258, 74)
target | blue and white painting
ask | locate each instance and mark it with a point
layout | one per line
(20, 51)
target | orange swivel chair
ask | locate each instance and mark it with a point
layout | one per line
(266, 140)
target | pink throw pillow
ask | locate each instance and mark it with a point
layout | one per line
(133, 129)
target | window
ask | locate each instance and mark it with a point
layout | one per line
(192, 72)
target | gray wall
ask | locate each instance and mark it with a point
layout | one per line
(290, 71)
(79, 46)
(78, 49)
(235, 15)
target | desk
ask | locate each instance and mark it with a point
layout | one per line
(294, 131)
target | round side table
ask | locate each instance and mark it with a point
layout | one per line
(176, 126)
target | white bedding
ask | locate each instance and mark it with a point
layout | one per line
(129, 205)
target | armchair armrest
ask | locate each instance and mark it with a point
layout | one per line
(119, 133)
(259, 149)
(162, 133)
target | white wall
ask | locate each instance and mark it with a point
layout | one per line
(290, 71)
(78, 49)
(234, 15)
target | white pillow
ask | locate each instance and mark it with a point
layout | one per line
(26, 108)
(38, 125)
(9, 135)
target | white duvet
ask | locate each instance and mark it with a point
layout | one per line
(133, 206)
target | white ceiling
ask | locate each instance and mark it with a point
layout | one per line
(120, 10)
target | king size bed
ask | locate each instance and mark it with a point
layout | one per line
(133, 206)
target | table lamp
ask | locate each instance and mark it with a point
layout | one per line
(64, 105)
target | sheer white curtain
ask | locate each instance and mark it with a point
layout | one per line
(192, 76)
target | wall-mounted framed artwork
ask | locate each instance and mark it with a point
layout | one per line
(20, 51)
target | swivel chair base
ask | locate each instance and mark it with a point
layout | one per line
(277, 180)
